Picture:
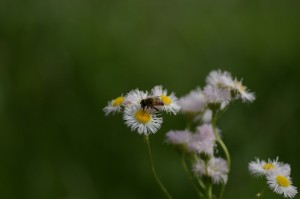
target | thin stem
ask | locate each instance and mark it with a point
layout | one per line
(224, 148)
(160, 184)
(209, 191)
(187, 171)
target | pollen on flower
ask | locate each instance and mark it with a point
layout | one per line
(166, 100)
(118, 101)
(282, 181)
(268, 166)
(142, 116)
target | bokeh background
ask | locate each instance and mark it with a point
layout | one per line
(62, 60)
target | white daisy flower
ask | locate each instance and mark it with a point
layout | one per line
(215, 168)
(216, 95)
(170, 101)
(135, 96)
(219, 79)
(114, 105)
(242, 92)
(281, 184)
(259, 168)
(194, 102)
(203, 141)
(142, 121)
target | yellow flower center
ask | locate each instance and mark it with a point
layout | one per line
(166, 99)
(118, 101)
(282, 181)
(268, 166)
(240, 87)
(143, 116)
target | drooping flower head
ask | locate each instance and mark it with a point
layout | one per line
(142, 121)
(203, 140)
(169, 101)
(193, 102)
(215, 95)
(114, 106)
(215, 168)
(179, 138)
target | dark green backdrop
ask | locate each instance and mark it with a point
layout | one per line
(62, 60)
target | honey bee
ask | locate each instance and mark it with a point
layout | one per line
(151, 102)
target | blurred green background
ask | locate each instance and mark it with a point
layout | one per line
(62, 60)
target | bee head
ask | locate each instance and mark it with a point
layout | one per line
(143, 103)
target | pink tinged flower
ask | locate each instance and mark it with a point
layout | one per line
(179, 137)
(203, 141)
(216, 95)
(193, 102)
(219, 79)
(215, 168)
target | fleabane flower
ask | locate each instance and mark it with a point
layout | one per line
(203, 140)
(215, 168)
(169, 101)
(260, 168)
(219, 79)
(242, 92)
(142, 121)
(193, 102)
(134, 97)
(281, 184)
(114, 106)
(215, 95)
(179, 138)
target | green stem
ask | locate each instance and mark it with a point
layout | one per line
(160, 184)
(209, 191)
(187, 171)
(224, 148)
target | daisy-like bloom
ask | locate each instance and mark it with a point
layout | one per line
(216, 169)
(142, 121)
(219, 79)
(281, 184)
(170, 101)
(260, 168)
(203, 141)
(194, 102)
(134, 97)
(242, 92)
(216, 95)
(114, 105)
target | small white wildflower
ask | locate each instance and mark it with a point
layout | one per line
(114, 105)
(216, 95)
(203, 141)
(134, 97)
(170, 101)
(281, 184)
(219, 79)
(199, 168)
(242, 92)
(259, 168)
(216, 169)
(179, 137)
(142, 121)
(193, 102)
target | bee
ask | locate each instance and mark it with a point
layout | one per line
(151, 102)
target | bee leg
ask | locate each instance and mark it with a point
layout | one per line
(155, 109)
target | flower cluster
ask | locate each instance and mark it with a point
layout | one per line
(203, 108)
(277, 175)
(141, 109)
